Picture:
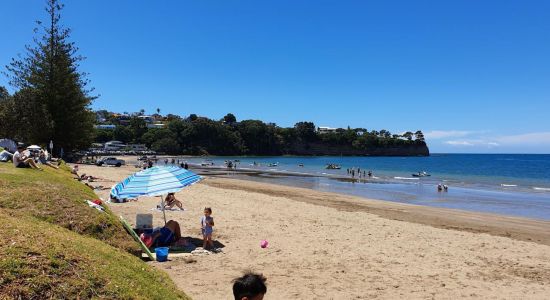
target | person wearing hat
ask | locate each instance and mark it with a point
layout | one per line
(21, 160)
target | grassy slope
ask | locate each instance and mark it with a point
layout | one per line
(55, 246)
(55, 197)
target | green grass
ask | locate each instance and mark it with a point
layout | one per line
(55, 246)
(53, 196)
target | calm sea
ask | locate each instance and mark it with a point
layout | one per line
(511, 184)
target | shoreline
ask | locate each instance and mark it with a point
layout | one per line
(518, 228)
(417, 192)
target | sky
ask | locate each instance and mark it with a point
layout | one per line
(473, 75)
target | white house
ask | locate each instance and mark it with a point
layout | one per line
(137, 147)
(323, 130)
(157, 125)
(114, 146)
(147, 119)
(105, 126)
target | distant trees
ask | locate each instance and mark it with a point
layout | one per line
(103, 135)
(52, 102)
(138, 128)
(419, 136)
(24, 117)
(258, 138)
(171, 117)
(123, 134)
(408, 135)
(305, 131)
(229, 119)
(4, 95)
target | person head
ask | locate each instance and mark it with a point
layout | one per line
(207, 211)
(250, 286)
(20, 148)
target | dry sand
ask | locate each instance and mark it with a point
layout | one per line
(330, 246)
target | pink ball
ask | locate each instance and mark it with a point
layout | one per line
(264, 244)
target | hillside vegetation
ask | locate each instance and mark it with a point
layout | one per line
(56, 246)
(199, 135)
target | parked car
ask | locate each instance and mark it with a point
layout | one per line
(111, 161)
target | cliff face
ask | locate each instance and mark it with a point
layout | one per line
(319, 149)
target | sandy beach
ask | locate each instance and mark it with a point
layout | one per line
(331, 246)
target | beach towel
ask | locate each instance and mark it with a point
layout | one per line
(95, 205)
(182, 246)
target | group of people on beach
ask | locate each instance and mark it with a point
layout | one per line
(250, 286)
(170, 234)
(183, 164)
(25, 158)
(353, 171)
(87, 179)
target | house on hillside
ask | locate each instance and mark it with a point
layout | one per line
(147, 119)
(323, 130)
(105, 126)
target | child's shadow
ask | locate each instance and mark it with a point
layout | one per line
(198, 242)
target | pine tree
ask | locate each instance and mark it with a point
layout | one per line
(51, 87)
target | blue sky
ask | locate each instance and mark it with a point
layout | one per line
(473, 75)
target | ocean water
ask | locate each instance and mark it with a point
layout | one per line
(510, 184)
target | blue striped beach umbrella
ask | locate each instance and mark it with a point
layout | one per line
(155, 181)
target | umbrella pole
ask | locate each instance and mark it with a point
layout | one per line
(162, 206)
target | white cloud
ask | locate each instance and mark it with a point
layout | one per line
(485, 141)
(473, 142)
(518, 141)
(442, 134)
(459, 143)
(527, 139)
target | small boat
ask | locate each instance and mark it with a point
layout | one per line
(273, 164)
(207, 162)
(300, 165)
(333, 167)
(420, 174)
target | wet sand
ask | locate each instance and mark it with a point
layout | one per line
(331, 246)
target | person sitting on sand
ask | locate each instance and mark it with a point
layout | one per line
(162, 236)
(42, 159)
(207, 222)
(171, 200)
(20, 160)
(250, 286)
